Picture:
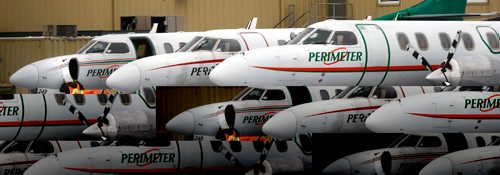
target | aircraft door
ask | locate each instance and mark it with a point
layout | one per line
(376, 54)
(254, 40)
(36, 113)
(489, 36)
(11, 110)
(455, 141)
(143, 47)
(190, 150)
(227, 48)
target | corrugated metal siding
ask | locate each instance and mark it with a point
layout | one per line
(18, 52)
(175, 100)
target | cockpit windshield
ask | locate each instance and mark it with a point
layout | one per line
(301, 36)
(242, 93)
(320, 36)
(99, 47)
(188, 46)
(205, 44)
(344, 92)
(84, 48)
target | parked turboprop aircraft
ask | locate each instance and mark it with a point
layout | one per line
(95, 61)
(480, 161)
(370, 53)
(29, 117)
(248, 111)
(407, 156)
(191, 65)
(17, 156)
(182, 156)
(347, 112)
(466, 111)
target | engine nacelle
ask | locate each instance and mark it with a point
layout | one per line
(470, 71)
(127, 124)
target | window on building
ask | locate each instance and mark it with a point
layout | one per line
(388, 2)
(493, 40)
(118, 48)
(402, 40)
(422, 42)
(476, 1)
(274, 95)
(6, 96)
(445, 41)
(468, 41)
(168, 48)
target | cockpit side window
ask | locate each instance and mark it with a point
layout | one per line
(319, 37)
(99, 47)
(17, 146)
(385, 92)
(274, 94)
(255, 94)
(118, 48)
(41, 147)
(228, 45)
(301, 35)
(188, 46)
(84, 48)
(410, 141)
(6, 96)
(242, 93)
(344, 38)
(361, 91)
(430, 141)
(206, 44)
(480, 141)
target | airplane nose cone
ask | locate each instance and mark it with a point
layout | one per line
(341, 166)
(231, 72)
(26, 77)
(94, 131)
(441, 166)
(281, 125)
(48, 165)
(182, 123)
(386, 119)
(126, 78)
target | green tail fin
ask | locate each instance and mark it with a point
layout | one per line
(430, 7)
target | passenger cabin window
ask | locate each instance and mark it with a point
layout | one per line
(402, 40)
(228, 45)
(274, 95)
(102, 99)
(318, 37)
(493, 40)
(410, 141)
(445, 41)
(361, 91)
(118, 48)
(468, 41)
(6, 96)
(480, 141)
(255, 94)
(235, 146)
(150, 95)
(430, 141)
(79, 99)
(306, 143)
(168, 48)
(385, 93)
(125, 99)
(281, 42)
(422, 42)
(84, 48)
(344, 38)
(258, 146)
(206, 44)
(99, 47)
(41, 147)
(59, 99)
(281, 146)
(324, 94)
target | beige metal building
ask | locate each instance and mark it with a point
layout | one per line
(30, 16)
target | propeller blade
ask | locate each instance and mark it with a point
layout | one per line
(452, 50)
(75, 111)
(263, 155)
(418, 57)
(227, 154)
(103, 120)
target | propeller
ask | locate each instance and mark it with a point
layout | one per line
(70, 73)
(227, 154)
(259, 167)
(75, 111)
(101, 120)
(418, 57)
(386, 161)
(451, 53)
(227, 122)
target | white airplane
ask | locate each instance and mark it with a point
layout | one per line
(440, 112)
(182, 157)
(27, 117)
(371, 53)
(248, 111)
(95, 61)
(192, 64)
(480, 161)
(17, 156)
(346, 112)
(408, 156)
